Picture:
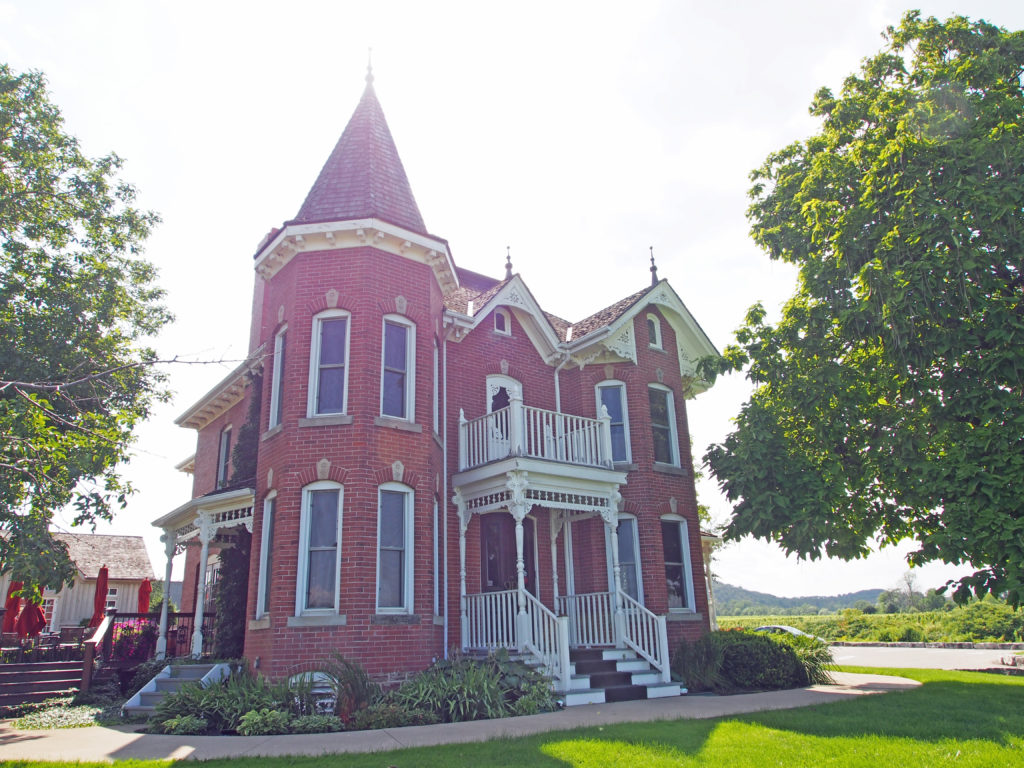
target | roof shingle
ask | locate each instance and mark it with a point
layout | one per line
(126, 557)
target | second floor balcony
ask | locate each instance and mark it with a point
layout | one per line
(519, 430)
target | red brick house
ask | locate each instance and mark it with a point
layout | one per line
(443, 464)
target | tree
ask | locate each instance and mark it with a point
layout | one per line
(888, 397)
(76, 304)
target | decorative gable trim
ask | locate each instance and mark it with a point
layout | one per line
(225, 395)
(339, 235)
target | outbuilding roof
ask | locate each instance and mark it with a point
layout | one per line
(126, 557)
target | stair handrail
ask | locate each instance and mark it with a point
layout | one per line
(549, 640)
(646, 633)
(101, 637)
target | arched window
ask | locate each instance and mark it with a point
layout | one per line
(398, 369)
(675, 543)
(502, 322)
(319, 564)
(612, 395)
(328, 363)
(663, 425)
(653, 331)
(394, 548)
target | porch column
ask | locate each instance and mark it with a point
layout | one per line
(611, 520)
(557, 520)
(205, 534)
(170, 540)
(518, 507)
(464, 515)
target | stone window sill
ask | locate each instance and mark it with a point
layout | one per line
(272, 431)
(394, 618)
(669, 469)
(263, 622)
(623, 466)
(330, 620)
(390, 423)
(684, 616)
(326, 421)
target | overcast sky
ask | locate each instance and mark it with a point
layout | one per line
(577, 133)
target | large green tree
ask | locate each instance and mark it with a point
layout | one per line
(76, 305)
(889, 397)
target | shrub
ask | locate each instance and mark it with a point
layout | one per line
(755, 662)
(814, 656)
(390, 714)
(910, 635)
(316, 724)
(185, 725)
(264, 722)
(353, 690)
(699, 664)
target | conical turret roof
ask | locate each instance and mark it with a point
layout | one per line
(364, 177)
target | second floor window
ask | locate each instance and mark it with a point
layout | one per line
(224, 457)
(663, 426)
(329, 365)
(397, 375)
(613, 397)
(277, 382)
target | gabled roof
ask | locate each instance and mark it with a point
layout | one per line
(126, 557)
(605, 317)
(363, 178)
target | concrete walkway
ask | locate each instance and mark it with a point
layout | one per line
(123, 743)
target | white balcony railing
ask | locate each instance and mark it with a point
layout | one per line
(520, 430)
(490, 621)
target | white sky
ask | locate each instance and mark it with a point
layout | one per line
(578, 133)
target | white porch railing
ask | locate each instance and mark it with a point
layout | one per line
(520, 430)
(646, 633)
(490, 621)
(548, 640)
(591, 618)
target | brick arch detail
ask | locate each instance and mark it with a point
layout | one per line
(319, 304)
(411, 312)
(309, 475)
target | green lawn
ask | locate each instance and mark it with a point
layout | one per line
(955, 718)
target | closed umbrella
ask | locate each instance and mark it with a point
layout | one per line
(12, 604)
(99, 602)
(145, 590)
(31, 621)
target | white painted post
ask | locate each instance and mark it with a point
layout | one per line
(169, 539)
(524, 633)
(666, 672)
(517, 422)
(463, 440)
(563, 652)
(620, 618)
(463, 523)
(606, 457)
(205, 534)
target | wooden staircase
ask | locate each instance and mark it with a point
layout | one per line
(602, 675)
(33, 682)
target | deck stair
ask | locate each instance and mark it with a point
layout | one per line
(32, 682)
(603, 675)
(169, 680)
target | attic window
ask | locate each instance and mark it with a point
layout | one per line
(653, 332)
(502, 322)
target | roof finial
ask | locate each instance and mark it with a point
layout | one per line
(369, 66)
(654, 269)
(508, 262)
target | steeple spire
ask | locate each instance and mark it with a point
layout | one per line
(654, 269)
(508, 262)
(363, 178)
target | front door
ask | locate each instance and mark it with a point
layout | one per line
(498, 553)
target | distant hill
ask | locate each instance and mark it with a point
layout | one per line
(736, 601)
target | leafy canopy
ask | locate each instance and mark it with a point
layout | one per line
(888, 397)
(76, 303)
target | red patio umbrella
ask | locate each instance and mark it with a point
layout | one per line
(145, 590)
(12, 605)
(31, 621)
(99, 602)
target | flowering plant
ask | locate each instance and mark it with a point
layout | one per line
(134, 640)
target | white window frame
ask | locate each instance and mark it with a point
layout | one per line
(277, 378)
(654, 331)
(111, 599)
(223, 456)
(302, 572)
(612, 539)
(507, 318)
(673, 433)
(410, 367)
(682, 526)
(624, 404)
(266, 542)
(314, 362)
(437, 562)
(407, 558)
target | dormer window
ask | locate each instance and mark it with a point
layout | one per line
(654, 332)
(502, 322)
